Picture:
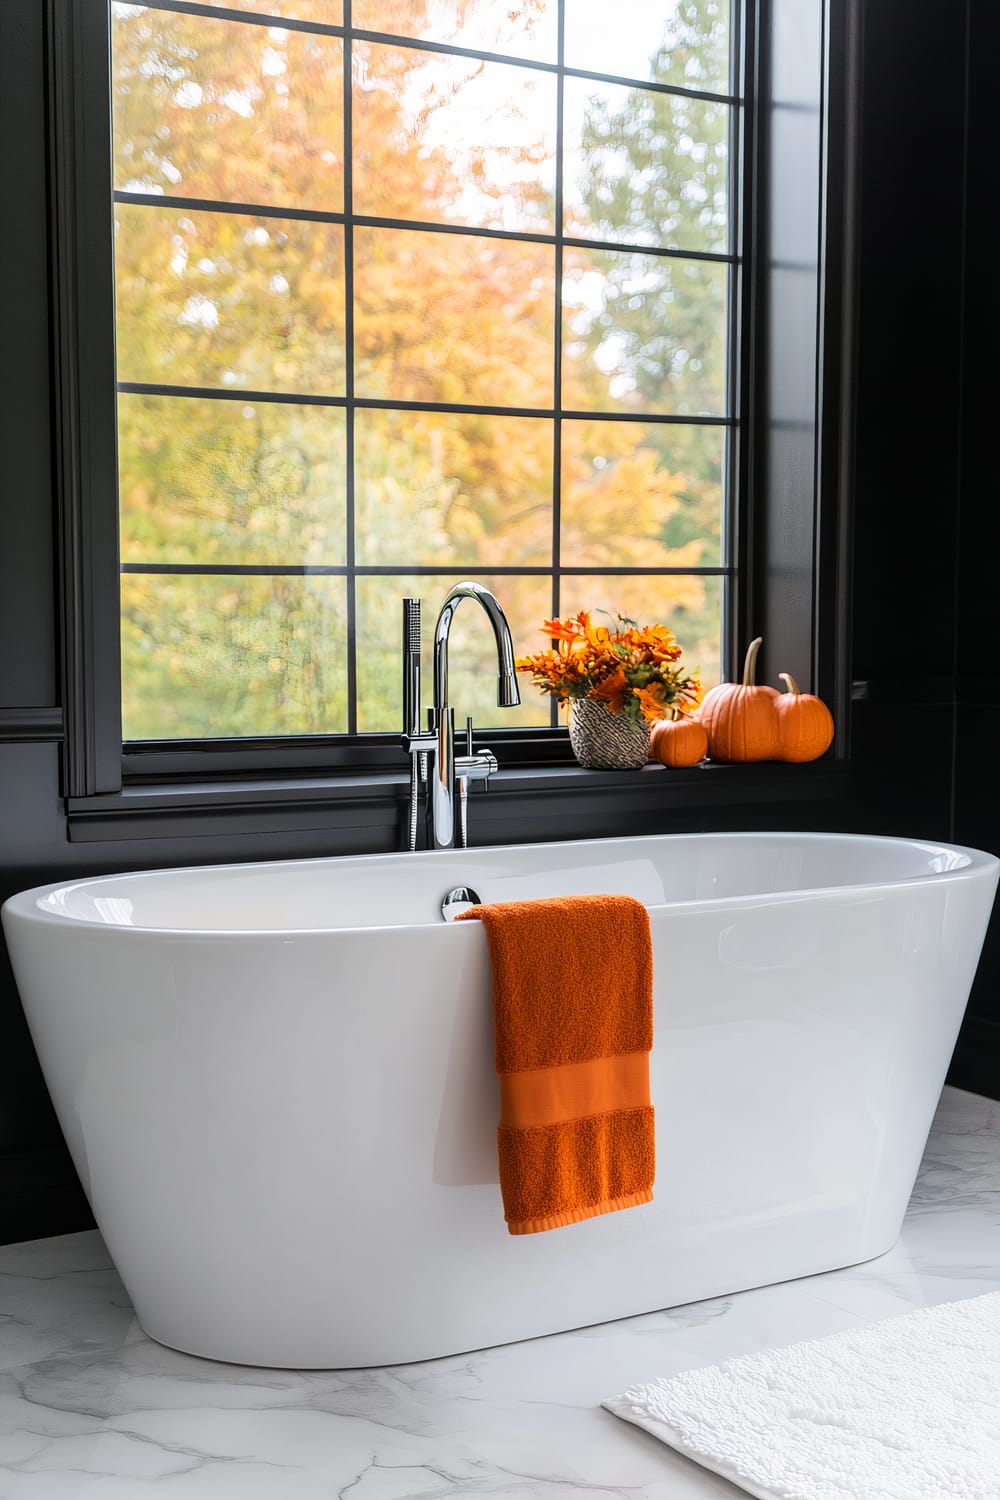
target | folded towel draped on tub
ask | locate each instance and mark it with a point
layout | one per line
(573, 1025)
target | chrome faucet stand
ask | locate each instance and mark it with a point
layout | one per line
(433, 762)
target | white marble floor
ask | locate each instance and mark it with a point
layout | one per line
(90, 1409)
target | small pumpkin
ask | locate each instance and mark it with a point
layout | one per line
(805, 724)
(678, 742)
(739, 717)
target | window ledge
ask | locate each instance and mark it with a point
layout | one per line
(521, 803)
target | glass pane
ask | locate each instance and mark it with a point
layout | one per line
(446, 487)
(643, 333)
(206, 656)
(220, 481)
(453, 140)
(690, 606)
(219, 299)
(323, 12)
(680, 42)
(213, 109)
(641, 494)
(453, 317)
(528, 29)
(472, 654)
(644, 168)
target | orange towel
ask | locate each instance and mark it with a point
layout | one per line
(573, 1024)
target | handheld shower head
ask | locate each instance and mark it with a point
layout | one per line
(411, 666)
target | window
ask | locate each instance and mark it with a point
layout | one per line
(405, 292)
(701, 326)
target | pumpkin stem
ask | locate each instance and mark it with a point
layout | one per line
(789, 682)
(750, 664)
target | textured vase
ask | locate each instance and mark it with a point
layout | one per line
(603, 741)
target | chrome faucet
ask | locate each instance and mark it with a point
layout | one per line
(432, 751)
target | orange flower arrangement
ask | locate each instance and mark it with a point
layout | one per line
(630, 669)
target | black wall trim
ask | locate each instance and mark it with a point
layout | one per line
(520, 804)
(84, 384)
(837, 361)
(31, 724)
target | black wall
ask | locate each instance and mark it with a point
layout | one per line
(925, 709)
(977, 664)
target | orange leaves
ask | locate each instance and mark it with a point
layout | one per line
(611, 691)
(631, 669)
(573, 631)
(652, 701)
(654, 643)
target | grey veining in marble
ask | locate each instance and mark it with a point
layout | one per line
(90, 1409)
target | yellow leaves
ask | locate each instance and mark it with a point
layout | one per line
(203, 108)
(616, 506)
(453, 318)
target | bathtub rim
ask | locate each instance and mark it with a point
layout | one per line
(25, 906)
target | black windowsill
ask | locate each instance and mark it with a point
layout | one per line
(576, 802)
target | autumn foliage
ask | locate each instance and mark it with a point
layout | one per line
(250, 303)
(633, 670)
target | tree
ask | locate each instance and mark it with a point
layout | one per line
(652, 169)
(207, 108)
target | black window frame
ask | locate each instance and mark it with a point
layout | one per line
(791, 520)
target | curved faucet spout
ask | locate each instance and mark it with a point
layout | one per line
(507, 690)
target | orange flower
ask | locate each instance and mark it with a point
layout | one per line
(611, 691)
(662, 644)
(630, 668)
(570, 630)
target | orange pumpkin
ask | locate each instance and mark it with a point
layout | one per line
(678, 742)
(805, 724)
(739, 718)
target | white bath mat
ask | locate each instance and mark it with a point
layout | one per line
(905, 1409)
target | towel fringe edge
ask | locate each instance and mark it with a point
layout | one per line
(575, 1215)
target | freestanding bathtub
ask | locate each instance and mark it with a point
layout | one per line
(277, 1082)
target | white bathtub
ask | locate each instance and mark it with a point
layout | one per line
(277, 1082)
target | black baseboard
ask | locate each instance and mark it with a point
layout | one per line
(976, 1062)
(40, 1195)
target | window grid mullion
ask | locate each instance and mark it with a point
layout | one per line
(402, 570)
(379, 403)
(425, 44)
(349, 535)
(734, 317)
(416, 226)
(557, 329)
